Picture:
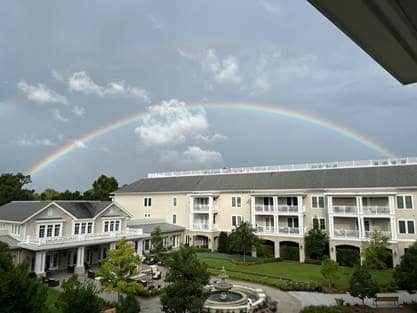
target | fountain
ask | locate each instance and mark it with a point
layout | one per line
(227, 297)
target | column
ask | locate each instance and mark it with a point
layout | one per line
(332, 251)
(79, 267)
(40, 258)
(300, 203)
(253, 210)
(391, 203)
(301, 252)
(210, 225)
(301, 223)
(359, 204)
(275, 203)
(276, 249)
(139, 250)
(331, 226)
(329, 204)
(393, 228)
(276, 224)
(361, 224)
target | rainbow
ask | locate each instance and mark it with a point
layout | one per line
(299, 115)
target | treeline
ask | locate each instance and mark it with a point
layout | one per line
(12, 188)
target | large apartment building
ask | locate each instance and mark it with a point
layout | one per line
(350, 200)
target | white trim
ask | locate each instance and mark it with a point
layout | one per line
(406, 226)
(242, 219)
(10, 222)
(61, 220)
(146, 202)
(110, 219)
(107, 207)
(46, 207)
(404, 202)
(318, 201)
(86, 227)
(61, 227)
(236, 197)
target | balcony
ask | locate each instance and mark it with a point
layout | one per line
(376, 210)
(288, 209)
(368, 234)
(201, 207)
(345, 209)
(289, 230)
(265, 229)
(264, 208)
(346, 233)
(204, 227)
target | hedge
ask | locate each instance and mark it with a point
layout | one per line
(348, 257)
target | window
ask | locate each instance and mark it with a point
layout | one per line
(322, 223)
(406, 226)
(174, 218)
(42, 231)
(147, 202)
(366, 224)
(317, 202)
(293, 222)
(268, 201)
(236, 202)
(49, 230)
(57, 230)
(174, 201)
(404, 202)
(83, 228)
(112, 226)
(292, 201)
(146, 245)
(147, 215)
(237, 220)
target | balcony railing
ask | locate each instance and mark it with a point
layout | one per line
(289, 230)
(288, 209)
(264, 208)
(376, 210)
(265, 229)
(199, 226)
(201, 207)
(368, 234)
(84, 237)
(345, 209)
(346, 233)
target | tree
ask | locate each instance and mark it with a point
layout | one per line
(11, 188)
(375, 252)
(102, 188)
(186, 279)
(405, 273)
(19, 292)
(316, 242)
(128, 304)
(362, 284)
(329, 270)
(78, 297)
(49, 194)
(157, 243)
(117, 270)
(223, 242)
(243, 239)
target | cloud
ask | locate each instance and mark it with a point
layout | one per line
(57, 76)
(80, 144)
(81, 82)
(156, 22)
(224, 71)
(40, 93)
(272, 7)
(170, 123)
(210, 138)
(196, 155)
(56, 114)
(78, 110)
(26, 140)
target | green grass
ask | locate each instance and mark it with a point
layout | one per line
(52, 299)
(288, 270)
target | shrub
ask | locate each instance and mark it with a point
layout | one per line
(347, 257)
(128, 304)
(362, 284)
(257, 261)
(290, 252)
(223, 243)
(333, 309)
(405, 273)
(316, 242)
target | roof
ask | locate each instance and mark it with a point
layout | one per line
(9, 241)
(150, 227)
(385, 29)
(18, 211)
(360, 177)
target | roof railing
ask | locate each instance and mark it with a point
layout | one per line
(290, 167)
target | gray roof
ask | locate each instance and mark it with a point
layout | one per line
(20, 210)
(9, 241)
(358, 177)
(165, 227)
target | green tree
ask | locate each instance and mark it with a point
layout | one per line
(243, 239)
(49, 194)
(362, 284)
(117, 270)
(316, 242)
(405, 273)
(375, 252)
(78, 297)
(19, 292)
(223, 242)
(186, 279)
(11, 188)
(157, 243)
(102, 188)
(128, 304)
(329, 270)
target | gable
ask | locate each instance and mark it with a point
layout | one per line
(51, 212)
(113, 210)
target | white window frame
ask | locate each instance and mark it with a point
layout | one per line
(61, 225)
(174, 218)
(174, 201)
(318, 202)
(109, 221)
(318, 221)
(235, 202)
(404, 202)
(237, 217)
(147, 202)
(147, 215)
(406, 226)
(80, 227)
(293, 219)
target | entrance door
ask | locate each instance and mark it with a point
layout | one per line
(51, 261)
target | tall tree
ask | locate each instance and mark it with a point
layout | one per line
(405, 273)
(157, 243)
(361, 284)
(11, 188)
(78, 297)
(375, 252)
(243, 239)
(223, 242)
(19, 292)
(117, 270)
(316, 242)
(49, 194)
(186, 279)
(102, 187)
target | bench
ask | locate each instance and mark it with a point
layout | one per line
(387, 298)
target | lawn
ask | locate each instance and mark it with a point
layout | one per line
(286, 270)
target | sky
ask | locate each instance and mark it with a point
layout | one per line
(70, 67)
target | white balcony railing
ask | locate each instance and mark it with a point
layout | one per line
(84, 237)
(288, 209)
(264, 208)
(289, 230)
(345, 209)
(265, 229)
(368, 234)
(346, 233)
(376, 210)
(201, 207)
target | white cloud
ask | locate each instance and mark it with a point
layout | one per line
(156, 22)
(81, 82)
(78, 110)
(80, 144)
(272, 7)
(196, 155)
(224, 71)
(56, 114)
(210, 138)
(26, 140)
(57, 76)
(40, 93)
(170, 123)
